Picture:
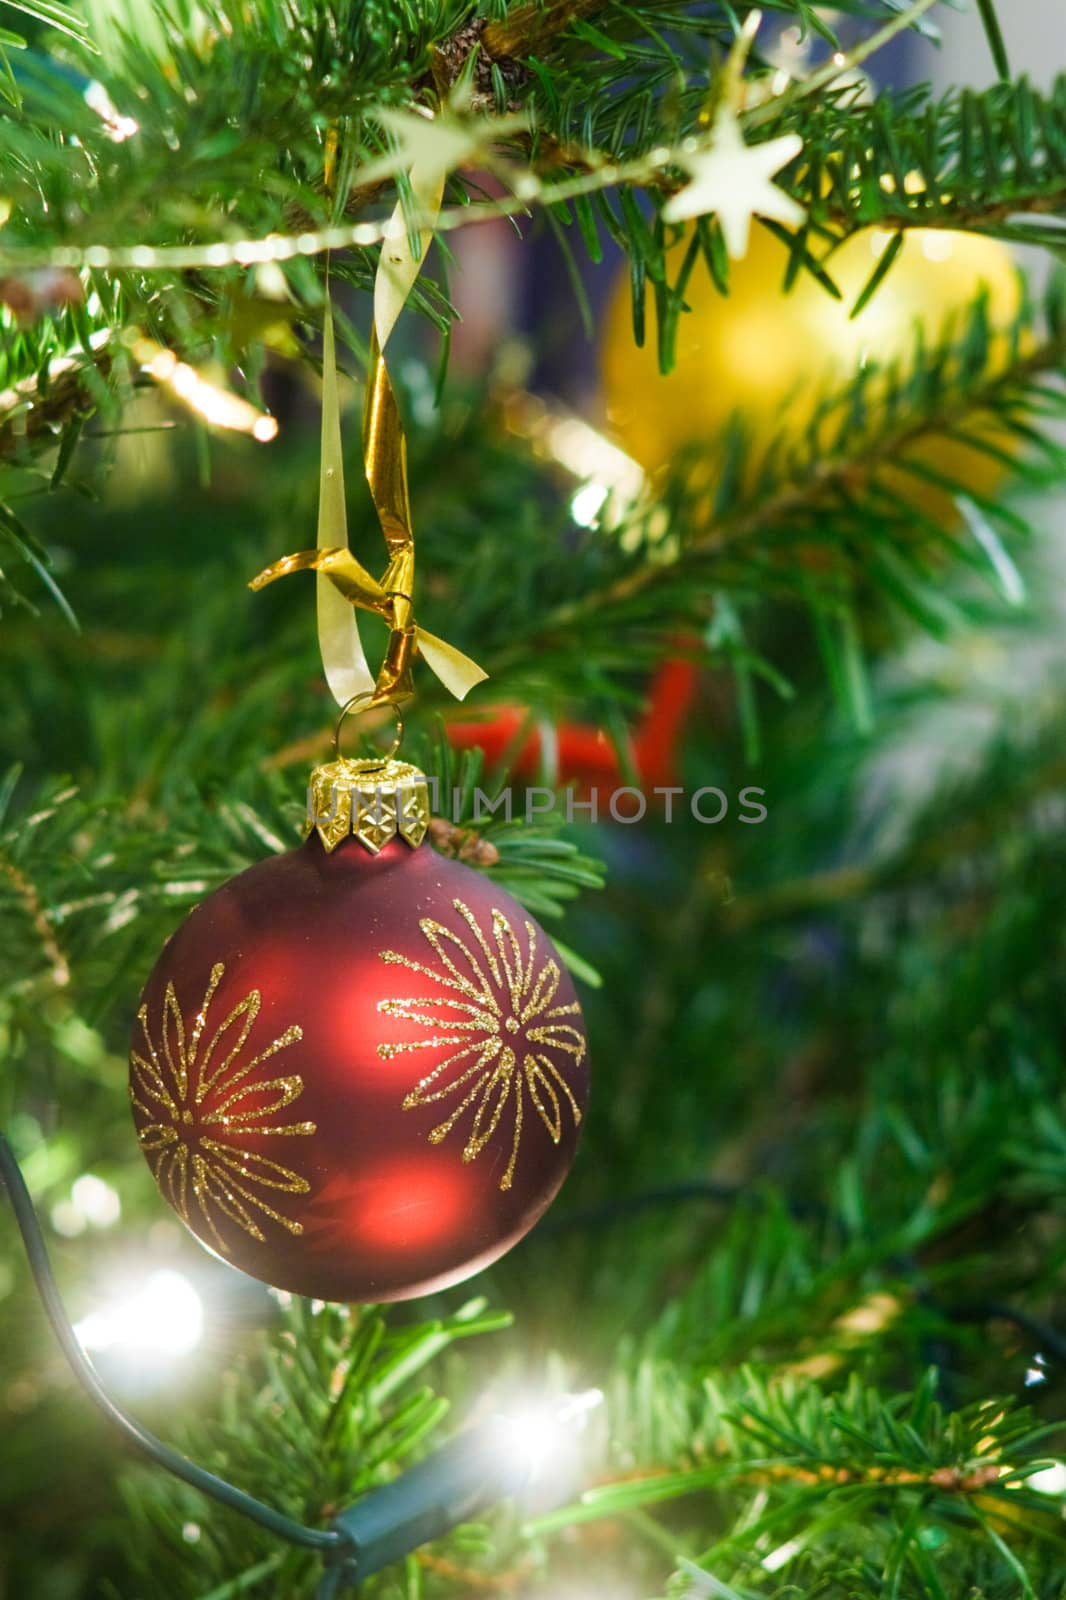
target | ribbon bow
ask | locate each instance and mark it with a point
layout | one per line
(345, 586)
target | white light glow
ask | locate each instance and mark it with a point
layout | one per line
(162, 1319)
(1049, 1480)
(208, 400)
(532, 1436)
(541, 1433)
(587, 453)
(587, 502)
(98, 1203)
(601, 469)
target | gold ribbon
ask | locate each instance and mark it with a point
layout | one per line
(344, 584)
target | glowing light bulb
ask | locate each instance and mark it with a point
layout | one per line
(206, 399)
(586, 503)
(164, 1318)
(531, 1434)
(542, 1432)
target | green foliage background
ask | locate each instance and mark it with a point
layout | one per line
(812, 1247)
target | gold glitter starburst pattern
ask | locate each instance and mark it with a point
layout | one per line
(197, 1107)
(496, 1015)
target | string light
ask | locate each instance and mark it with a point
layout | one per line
(208, 400)
(525, 184)
(587, 502)
(162, 1319)
(165, 1317)
(609, 480)
(215, 405)
(540, 1434)
(501, 1456)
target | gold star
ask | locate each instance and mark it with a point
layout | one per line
(438, 145)
(732, 179)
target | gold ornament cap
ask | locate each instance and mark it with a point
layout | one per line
(372, 799)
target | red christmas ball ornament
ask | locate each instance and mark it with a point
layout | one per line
(359, 1069)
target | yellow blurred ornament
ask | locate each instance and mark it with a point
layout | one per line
(772, 356)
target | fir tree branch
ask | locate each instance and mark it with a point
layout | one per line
(865, 191)
(994, 35)
(473, 1580)
(766, 1429)
(848, 469)
(841, 64)
(33, 908)
(32, 412)
(526, 29)
(979, 157)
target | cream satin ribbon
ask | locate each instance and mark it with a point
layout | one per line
(344, 584)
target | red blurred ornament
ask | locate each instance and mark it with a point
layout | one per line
(359, 1069)
(581, 753)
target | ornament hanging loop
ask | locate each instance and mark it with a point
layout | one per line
(350, 708)
(344, 584)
